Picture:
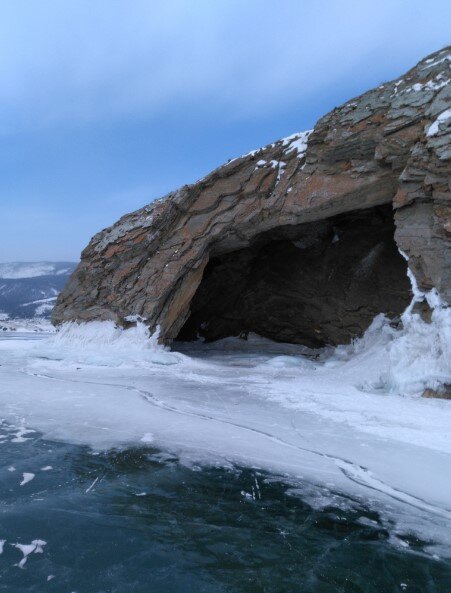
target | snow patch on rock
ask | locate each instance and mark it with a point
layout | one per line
(435, 127)
(297, 142)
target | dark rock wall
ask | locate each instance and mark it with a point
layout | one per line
(321, 284)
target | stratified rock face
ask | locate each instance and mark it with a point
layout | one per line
(268, 220)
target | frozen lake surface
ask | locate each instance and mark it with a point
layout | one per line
(235, 466)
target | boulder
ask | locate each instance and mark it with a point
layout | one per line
(298, 240)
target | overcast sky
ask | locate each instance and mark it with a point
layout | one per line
(108, 104)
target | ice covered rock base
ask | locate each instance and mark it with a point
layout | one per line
(297, 241)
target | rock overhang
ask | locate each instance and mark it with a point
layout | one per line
(391, 145)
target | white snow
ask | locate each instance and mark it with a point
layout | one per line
(250, 153)
(434, 127)
(297, 142)
(34, 325)
(147, 438)
(438, 83)
(135, 318)
(44, 305)
(26, 477)
(395, 89)
(39, 301)
(344, 420)
(102, 343)
(430, 63)
(36, 547)
(19, 435)
(14, 271)
(432, 85)
(43, 309)
(91, 486)
(279, 165)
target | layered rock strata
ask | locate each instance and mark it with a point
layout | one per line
(379, 162)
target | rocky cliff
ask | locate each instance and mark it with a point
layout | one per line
(299, 240)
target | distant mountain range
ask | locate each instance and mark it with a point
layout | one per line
(30, 290)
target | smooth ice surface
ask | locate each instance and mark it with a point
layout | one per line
(348, 420)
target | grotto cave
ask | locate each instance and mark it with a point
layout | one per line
(316, 283)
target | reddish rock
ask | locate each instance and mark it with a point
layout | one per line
(387, 149)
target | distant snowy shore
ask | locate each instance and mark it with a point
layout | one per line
(36, 324)
(30, 290)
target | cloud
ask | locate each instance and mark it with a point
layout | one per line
(82, 60)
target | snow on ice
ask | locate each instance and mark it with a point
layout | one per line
(26, 477)
(347, 420)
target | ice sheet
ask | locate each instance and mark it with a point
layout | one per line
(348, 420)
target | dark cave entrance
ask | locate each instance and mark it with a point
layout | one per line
(317, 283)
